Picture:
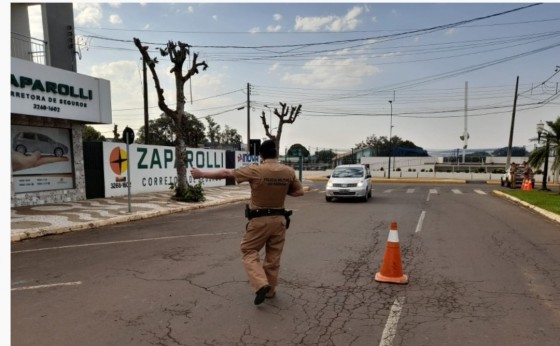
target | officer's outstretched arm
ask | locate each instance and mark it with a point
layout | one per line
(296, 193)
(219, 174)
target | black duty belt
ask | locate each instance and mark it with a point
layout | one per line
(252, 213)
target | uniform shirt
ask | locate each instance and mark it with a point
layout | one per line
(270, 182)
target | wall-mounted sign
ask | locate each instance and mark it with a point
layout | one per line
(46, 91)
(152, 167)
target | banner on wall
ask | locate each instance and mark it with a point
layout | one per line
(242, 158)
(41, 159)
(152, 167)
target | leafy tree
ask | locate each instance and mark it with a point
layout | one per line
(178, 54)
(230, 137)
(90, 134)
(213, 130)
(325, 156)
(540, 154)
(162, 132)
(296, 149)
(286, 115)
(397, 146)
(515, 151)
(116, 134)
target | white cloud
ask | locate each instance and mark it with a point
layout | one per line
(146, 27)
(450, 31)
(255, 30)
(87, 14)
(115, 4)
(190, 9)
(277, 17)
(273, 28)
(330, 23)
(115, 19)
(325, 72)
(274, 67)
(215, 17)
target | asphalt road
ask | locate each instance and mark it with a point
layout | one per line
(482, 271)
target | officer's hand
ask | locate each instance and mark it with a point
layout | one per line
(196, 173)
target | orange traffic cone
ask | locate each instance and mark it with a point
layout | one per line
(391, 269)
(526, 186)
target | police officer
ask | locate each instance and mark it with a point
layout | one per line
(270, 182)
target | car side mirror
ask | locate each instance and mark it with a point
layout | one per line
(328, 176)
(368, 176)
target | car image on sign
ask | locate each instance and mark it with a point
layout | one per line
(25, 142)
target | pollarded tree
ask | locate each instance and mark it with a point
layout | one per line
(286, 115)
(178, 54)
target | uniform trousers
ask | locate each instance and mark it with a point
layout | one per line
(268, 232)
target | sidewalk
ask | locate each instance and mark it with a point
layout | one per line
(37, 221)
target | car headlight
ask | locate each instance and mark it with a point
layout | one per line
(360, 183)
(329, 184)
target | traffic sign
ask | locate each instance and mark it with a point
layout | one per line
(130, 138)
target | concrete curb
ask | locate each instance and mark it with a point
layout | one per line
(548, 214)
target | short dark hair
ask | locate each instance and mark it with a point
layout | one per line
(268, 149)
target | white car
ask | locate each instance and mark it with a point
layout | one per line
(349, 181)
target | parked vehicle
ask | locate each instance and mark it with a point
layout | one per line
(349, 181)
(24, 142)
(508, 178)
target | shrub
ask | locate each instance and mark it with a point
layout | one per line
(193, 193)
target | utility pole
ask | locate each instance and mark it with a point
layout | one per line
(249, 117)
(146, 122)
(390, 145)
(508, 161)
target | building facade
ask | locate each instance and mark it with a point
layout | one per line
(50, 105)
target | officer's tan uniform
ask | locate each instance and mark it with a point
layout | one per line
(270, 182)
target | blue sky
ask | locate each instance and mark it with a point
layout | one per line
(342, 62)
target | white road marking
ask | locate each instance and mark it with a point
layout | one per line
(410, 191)
(76, 283)
(420, 221)
(125, 241)
(480, 192)
(456, 191)
(392, 321)
(388, 191)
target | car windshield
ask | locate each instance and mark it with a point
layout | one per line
(348, 172)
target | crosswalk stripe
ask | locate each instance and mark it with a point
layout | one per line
(410, 191)
(480, 192)
(388, 191)
(433, 191)
(456, 191)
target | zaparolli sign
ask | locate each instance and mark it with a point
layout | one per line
(152, 167)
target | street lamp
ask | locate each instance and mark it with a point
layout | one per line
(540, 131)
(390, 135)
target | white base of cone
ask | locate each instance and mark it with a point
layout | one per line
(403, 280)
